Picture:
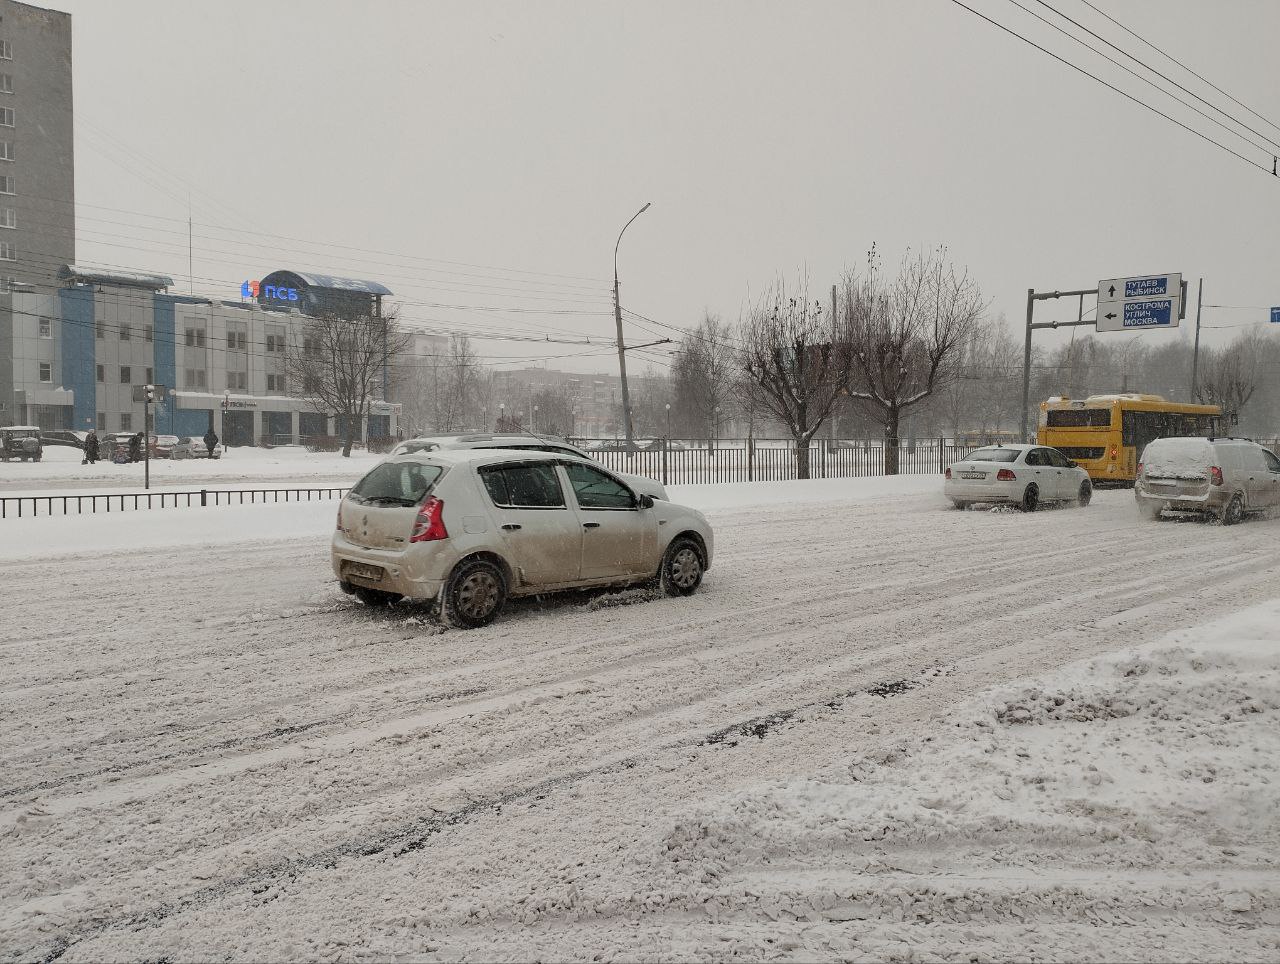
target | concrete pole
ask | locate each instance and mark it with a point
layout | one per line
(1195, 353)
(1026, 368)
(617, 318)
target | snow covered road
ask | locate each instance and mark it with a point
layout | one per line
(208, 751)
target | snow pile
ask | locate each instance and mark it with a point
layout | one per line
(1178, 457)
(1139, 790)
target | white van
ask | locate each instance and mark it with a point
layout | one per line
(1225, 477)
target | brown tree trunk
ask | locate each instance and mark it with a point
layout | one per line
(802, 459)
(891, 443)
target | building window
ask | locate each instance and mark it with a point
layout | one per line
(151, 332)
(102, 419)
(46, 372)
(102, 330)
(7, 251)
(275, 383)
(7, 185)
(126, 422)
(6, 83)
(6, 151)
(125, 375)
(102, 373)
(125, 333)
(150, 377)
(6, 116)
(6, 50)
(237, 340)
(195, 337)
(195, 378)
(8, 218)
(46, 327)
(238, 381)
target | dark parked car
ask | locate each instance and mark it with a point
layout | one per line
(65, 437)
(21, 442)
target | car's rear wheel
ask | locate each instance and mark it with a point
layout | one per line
(1030, 498)
(960, 504)
(474, 595)
(1085, 494)
(374, 597)
(1150, 509)
(1233, 512)
(682, 568)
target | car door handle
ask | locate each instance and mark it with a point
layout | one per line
(511, 526)
(591, 525)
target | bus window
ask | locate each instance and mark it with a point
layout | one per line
(1080, 418)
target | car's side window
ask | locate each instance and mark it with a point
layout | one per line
(595, 490)
(1033, 457)
(533, 486)
(1273, 463)
(1060, 460)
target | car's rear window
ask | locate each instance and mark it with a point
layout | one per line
(1079, 418)
(993, 455)
(397, 483)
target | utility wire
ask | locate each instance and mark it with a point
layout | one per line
(1175, 60)
(1147, 80)
(1122, 93)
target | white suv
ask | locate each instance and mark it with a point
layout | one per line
(471, 528)
(524, 442)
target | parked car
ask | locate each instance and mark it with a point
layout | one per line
(162, 446)
(520, 441)
(193, 447)
(114, 446)
(1024, 475)
(65, 437)
(1224, 477)
(474, 528)
(22, 442)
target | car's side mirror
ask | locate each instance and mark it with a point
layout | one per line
(646, 501)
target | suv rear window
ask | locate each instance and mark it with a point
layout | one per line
(533, 486)
(1080, 418)
(993, 455)
(396, 483)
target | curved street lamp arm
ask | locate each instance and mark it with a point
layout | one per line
(621, 233)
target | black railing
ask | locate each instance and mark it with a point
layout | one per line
(18, 506)
(771, 461)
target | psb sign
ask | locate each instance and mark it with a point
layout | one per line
(252, 289)
(1275, 316)
(1146, 301)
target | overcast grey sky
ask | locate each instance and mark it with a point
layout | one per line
(769, 137)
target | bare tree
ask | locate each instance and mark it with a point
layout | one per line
(703, 378)
(340, 365)
(555, 411)
(462, 388)
(904, 335)
(1229, 376)
(795, 363)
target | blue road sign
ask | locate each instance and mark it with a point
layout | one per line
(1146, 287)
(1148, 314)
(1275, 316)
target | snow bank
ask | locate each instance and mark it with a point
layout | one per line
(222, 525)
(1140, 789)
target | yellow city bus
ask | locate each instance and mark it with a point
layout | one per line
(1105, 434)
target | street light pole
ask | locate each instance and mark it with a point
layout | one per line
(617, 318)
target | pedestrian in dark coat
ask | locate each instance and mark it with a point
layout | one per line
(135, 448)
(211, 441)
(91, 447)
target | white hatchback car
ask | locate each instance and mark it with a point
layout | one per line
(1025, 475)
(522, 441)
(470, 528)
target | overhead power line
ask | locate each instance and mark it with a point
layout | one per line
(1175, 60)
(1122, 93)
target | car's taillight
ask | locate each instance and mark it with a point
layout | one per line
(1006, 475)
(947, 473)
(429, 525)
(1215, 475)
(1139, 468)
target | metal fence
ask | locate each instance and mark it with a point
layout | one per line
(769, 461)
(18, 506)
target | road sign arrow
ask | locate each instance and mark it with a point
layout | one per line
(1112, 291)
(1109, 314)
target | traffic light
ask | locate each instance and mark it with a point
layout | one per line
(151, 394)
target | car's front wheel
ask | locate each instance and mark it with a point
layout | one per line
(474, 595)
(682, 568)
(1085, 494)
(1030, 498)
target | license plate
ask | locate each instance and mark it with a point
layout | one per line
(358, 570)
(973, 475)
